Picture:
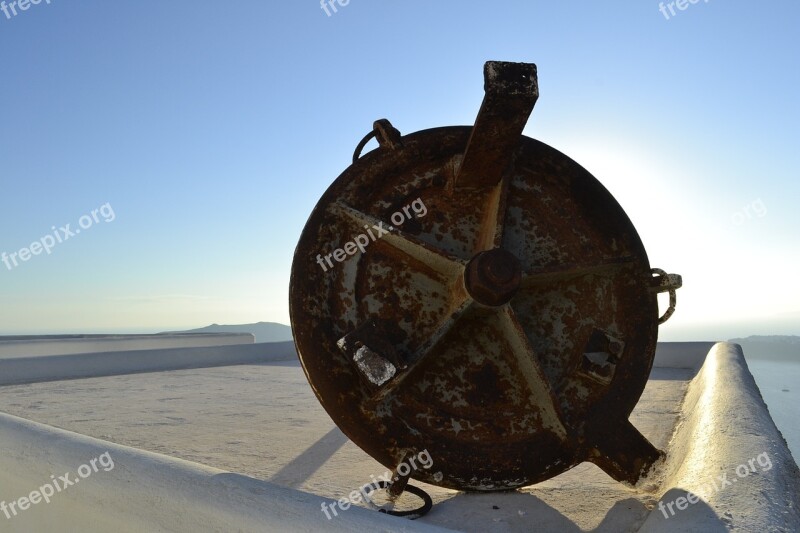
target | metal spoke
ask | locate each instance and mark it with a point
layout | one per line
(435, 258)
(492, 226)
(425, 350)
(529, 367)
(566, 272)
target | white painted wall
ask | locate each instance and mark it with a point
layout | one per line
(726, 424)
(681, 354)
(150, 493)
(16, 370)
(74, 344)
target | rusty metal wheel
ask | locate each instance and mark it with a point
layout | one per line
(477, 294)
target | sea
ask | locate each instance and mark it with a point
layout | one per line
(779, 382)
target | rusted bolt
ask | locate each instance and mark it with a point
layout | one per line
(616, 347)
(493, 277)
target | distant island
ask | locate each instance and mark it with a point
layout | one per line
(784, 348)
(263, 331)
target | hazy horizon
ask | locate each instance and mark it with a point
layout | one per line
(719, 333)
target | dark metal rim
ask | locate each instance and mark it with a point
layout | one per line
(309, 343)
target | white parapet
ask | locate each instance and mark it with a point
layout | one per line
(17, 370)
(728, 467)
(681, 354)
(32, 346)
(137, 491)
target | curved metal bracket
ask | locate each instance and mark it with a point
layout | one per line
(663, 282)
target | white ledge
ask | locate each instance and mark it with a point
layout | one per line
(150, 492)
(31, 346)
(18, 370)
(725, 423)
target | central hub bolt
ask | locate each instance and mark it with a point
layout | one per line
(493, 277)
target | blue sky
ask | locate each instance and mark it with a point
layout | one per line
(211, 129)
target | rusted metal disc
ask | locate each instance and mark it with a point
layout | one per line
(506, 325)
